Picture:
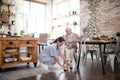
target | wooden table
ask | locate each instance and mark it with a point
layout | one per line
(102, 51)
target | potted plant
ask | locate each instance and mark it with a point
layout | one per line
(74, 24)
(15, 33)
(22, 32)
(104, 37)
(118, 34)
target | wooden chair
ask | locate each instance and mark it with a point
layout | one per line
(42, 40)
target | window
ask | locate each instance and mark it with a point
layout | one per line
(30, 17)
(65, 13)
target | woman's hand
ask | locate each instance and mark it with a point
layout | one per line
(63, 66)
(68, 64)
(68, 47)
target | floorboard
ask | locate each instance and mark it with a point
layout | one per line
(89, 71)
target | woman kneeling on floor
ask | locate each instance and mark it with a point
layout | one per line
(50, 55)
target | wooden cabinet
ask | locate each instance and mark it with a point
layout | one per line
(18, 50)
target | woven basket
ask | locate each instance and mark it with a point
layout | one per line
(10, 50)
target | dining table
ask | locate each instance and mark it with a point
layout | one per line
(102, 46)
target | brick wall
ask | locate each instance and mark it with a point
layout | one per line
(107, 15)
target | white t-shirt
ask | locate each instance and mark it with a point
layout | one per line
(47, 55)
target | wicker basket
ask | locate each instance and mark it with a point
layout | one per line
(10, 50)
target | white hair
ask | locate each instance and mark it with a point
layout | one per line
(68, 28)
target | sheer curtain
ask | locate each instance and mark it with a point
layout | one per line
(30, 17)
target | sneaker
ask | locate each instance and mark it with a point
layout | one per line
(71, 67)
(65, 69)
(54, 68)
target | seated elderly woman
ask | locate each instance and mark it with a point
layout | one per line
(70, 44)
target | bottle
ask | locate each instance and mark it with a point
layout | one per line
(9, 33)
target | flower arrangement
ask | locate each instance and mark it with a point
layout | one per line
(104, 37)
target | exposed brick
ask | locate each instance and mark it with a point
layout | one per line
(108, 16)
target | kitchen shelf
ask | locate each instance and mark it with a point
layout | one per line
(6, 14)
(70, 16)
(7, 4)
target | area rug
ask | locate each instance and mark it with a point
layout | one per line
(24, 73)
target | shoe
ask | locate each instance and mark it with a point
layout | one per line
(71, 67)
(65, 69)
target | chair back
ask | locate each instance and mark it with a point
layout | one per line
(43, 37)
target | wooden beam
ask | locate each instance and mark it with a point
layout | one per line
(37, 1)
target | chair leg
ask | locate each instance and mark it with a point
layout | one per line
(112, 57)
(97, 57)
(76, 61)
(91, 53)
(83, 57)
(118, 62)
(112, 65)
(105, 59)
(85, 60)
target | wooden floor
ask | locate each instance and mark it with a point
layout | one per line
(89, 71)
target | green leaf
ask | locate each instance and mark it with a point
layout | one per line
(75, 23)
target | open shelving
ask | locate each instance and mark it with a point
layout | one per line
(5, 14)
